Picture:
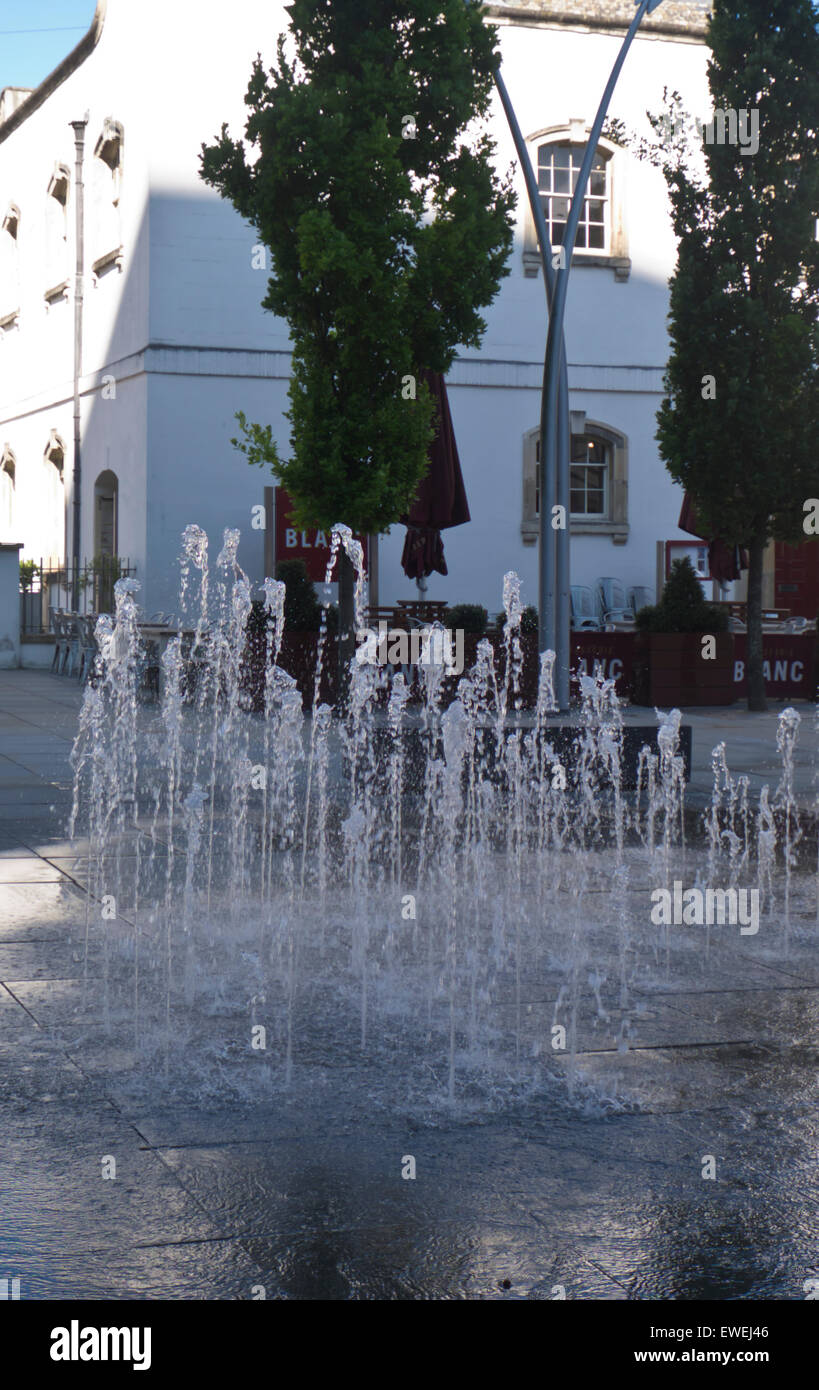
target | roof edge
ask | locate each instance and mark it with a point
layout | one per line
(55, 79)
(674, 20)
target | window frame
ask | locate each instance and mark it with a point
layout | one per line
(552, 195)
(607, 467)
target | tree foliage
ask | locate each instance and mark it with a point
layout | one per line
(366, 171)
(739, 422)
(745, 293)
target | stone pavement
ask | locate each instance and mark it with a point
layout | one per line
(211, 1201)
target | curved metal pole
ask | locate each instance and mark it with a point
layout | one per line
(555, 350)
(547, 569)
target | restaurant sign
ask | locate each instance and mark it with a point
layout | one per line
(312, 546)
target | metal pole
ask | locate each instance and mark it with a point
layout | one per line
(564, 607)
(554, 341)
(547, 576)
(269, 534)
(76, 476)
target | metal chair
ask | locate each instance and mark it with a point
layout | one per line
(88, 646)
(55, 619)
(585, 617)
(613, 602)
(639, 597)
(73, 636)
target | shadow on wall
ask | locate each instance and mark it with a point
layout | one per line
(159, 413)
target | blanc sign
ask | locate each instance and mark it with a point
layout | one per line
(311, 546)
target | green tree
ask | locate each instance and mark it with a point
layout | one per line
(745, 293)
(371, 183)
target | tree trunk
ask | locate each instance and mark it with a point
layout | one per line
(753, 651)
(346, 624)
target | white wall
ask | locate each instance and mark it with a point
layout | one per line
(195, 475)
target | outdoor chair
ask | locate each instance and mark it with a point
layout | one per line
(73, 636)
(584, 610)
(613, 602)
(639, 597)
(56, 624)
(88, 646)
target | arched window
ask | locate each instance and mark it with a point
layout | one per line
(10, 269)
(8, 477)
(598, 482)
(53, 497)
(57, 265)
(106, 192)
(106, 496)
(557, 154)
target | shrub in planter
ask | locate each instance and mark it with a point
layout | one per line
(302, 610)
(682, 607)
(672, 666)
(466, 617)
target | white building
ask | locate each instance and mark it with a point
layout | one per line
(174, 340)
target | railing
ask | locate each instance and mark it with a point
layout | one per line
(49, 587)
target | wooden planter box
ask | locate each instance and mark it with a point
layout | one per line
(670, 670)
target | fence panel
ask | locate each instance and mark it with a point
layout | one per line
(84, 588)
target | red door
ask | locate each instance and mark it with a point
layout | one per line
(796, 578)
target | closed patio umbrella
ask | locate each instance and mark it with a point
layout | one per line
(441, 498)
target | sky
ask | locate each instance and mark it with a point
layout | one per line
(35, 35)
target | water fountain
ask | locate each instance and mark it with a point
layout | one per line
(269, 892)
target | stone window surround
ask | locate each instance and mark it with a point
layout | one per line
(11, 221)
(575, 132)
(54, 454)
(59, 183)
(8, 485)
(109, 149)
(11, 227)
(615, 525)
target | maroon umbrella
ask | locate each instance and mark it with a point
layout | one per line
(441, 498)
(725, 562)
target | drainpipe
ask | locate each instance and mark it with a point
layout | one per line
(76, 477)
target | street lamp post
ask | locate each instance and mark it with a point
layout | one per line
(548, 552)
(555, 448)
